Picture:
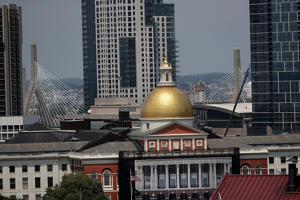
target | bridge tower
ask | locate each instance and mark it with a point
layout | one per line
(33, 78)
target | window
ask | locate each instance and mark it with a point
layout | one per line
(94, 175)
(25, 197)
(49, 168)
(271, 160)
(161, 171)
(187, 143)
(164, 144)
(50, 181)
(24, 168)
(64, 167)
(199, 143)
(258, 169)
(25, 183)
(152, 144)
(194, 175)
(12, 183)
(1, 184)
(283, 170)
(204, 175)
(1, 169)
(245, 170)
(37, 182)
(106, 178)
(183, 175)
(172, 176)
(283, 159)
(176, 144)
(271, 171)
(38, 197)
(37, 168)
(108, 196)
(12, 169)
(147, 177)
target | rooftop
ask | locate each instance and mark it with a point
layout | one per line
(258, 187)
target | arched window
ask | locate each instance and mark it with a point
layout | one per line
(94, 175)
(167, 76)
(258, 169)
(106, 177)
(245, 170)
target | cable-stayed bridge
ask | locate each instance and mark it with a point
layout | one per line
(49, 97)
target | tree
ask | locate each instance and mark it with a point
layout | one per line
(6, 198)
(71, 187)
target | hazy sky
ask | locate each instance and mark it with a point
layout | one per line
(207, 31)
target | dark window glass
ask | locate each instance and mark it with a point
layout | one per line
(12, 182)
(271, 160)
(64, 167)
(283, 159)
(37, 182)
(24, 168)
(50, 181)
(49, 168)
(12, 169)
(37, 168)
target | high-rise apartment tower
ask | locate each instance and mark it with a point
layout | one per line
(275, 67)
(131, 39)
(11, 78)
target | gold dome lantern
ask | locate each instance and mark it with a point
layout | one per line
(166, 102)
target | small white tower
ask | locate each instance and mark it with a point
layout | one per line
(165, 74)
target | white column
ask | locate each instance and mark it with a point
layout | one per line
(225, 169)
(167, 177)
(152, 177)
(141, 176)
(214, 175)
(189, 175)
(200, 179)
(193, 143)
(210, 176)
(177, 176)
(170, 143)
(155, 178)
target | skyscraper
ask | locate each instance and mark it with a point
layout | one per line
(275, 39)
(89, 52)
(132, 37)
(11, 79)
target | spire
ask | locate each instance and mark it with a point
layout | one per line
(165, 74)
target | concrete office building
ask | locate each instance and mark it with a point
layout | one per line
(11, 83)
(274, 37)
(132, 37)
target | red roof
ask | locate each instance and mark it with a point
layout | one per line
(257, 187)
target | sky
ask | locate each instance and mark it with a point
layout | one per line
(207, 31)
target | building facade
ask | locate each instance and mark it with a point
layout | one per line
(11, 78)
(275, 69)
(127, 46)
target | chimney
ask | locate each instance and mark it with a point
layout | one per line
(292, 178)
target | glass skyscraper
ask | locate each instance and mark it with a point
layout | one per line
(275, 69)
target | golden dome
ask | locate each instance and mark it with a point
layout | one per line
(167, 102)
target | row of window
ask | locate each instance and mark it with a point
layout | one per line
(282, 159)
(37, 183)
(164, 143)
(37, 168)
